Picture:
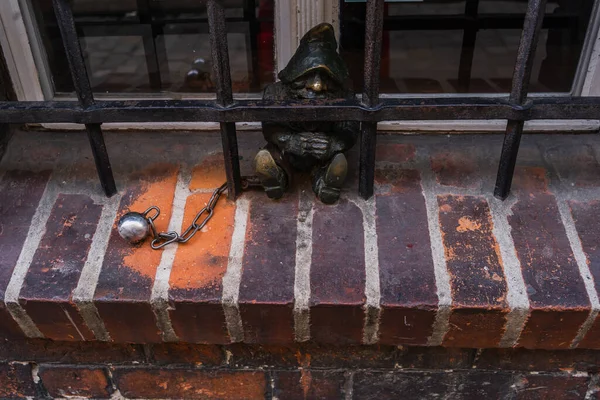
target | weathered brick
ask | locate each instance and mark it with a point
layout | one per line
(395, 152)
(587, 221)
(209, 174)
(538, 386)
(152, 383)
(337, 275)
(86, 382)
(185, 353)
(56, 267)
(407, 278)
(43, 350)
(307, 384)
(576, 164)
(267, 287)
(16, 381)
(521, 359)
(125, 283)
(431, 385)
(195, 285)
(476, 276)
(259, 355)
(328, 356)
(20, 194)
(557, 295)
(456, 168)
(435, 357)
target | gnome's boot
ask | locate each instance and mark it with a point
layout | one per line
(328, 180)
(272, 176)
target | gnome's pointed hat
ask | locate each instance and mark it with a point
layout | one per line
(317, 50)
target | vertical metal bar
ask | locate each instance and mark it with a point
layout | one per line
(81, 82)
(368, 140)
(468, 46)
(222, 75)
(518, 95)
(7, 93)
(157, 61)
(252, 43)
(149, 40)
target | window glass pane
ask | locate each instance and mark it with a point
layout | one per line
(443, 46)
(150, 46)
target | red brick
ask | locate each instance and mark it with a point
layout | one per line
(16, 381)
(557, 295)
(43, 350)
(431, 385)
(56, 267)
(538, 360)
(20, 194)
(565, 387)
(455, 168)
(395, 152)
(307, 384)
(195, 284)
(337, 298)
(209, 174)
(152, 383)
(125, 284)
(576, 164)
(587, 221)
(407, 278)
(476, 276)
(185, 353)
(267, 286)
(85, 382)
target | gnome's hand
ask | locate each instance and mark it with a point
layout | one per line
(314, 144)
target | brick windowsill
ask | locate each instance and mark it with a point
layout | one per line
(432, 260)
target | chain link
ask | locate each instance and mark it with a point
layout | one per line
(161, 239)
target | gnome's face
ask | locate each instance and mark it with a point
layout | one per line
(316, 84)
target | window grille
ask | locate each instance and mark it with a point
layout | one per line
(369, 109)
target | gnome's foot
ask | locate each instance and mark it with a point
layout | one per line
(271, 175)
(328, 181)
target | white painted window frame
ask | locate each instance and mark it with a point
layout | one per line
(292, 19)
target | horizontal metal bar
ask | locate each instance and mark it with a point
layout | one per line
(459, 22)
(257, 111)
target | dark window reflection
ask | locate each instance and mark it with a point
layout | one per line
(445, 46)
(160, 45)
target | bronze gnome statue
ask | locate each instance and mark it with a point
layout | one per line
(315, 72)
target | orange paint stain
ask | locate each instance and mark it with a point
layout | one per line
(203, 262)
(466, 224)
(209, 174)
(156, 187)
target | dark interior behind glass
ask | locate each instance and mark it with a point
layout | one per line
(149, 46)
(447, 46)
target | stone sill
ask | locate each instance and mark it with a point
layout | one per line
(432, 260)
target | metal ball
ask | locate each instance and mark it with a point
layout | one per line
(133, 227)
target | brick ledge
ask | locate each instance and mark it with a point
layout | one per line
(432, 260)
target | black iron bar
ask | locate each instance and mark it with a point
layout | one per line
(149, 37)
(458, 22)
(370, 98)
(518, 95)
(459, 108)
(468, 46)
(222, 77)
(83, 88)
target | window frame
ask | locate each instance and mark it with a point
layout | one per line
(32, 81)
